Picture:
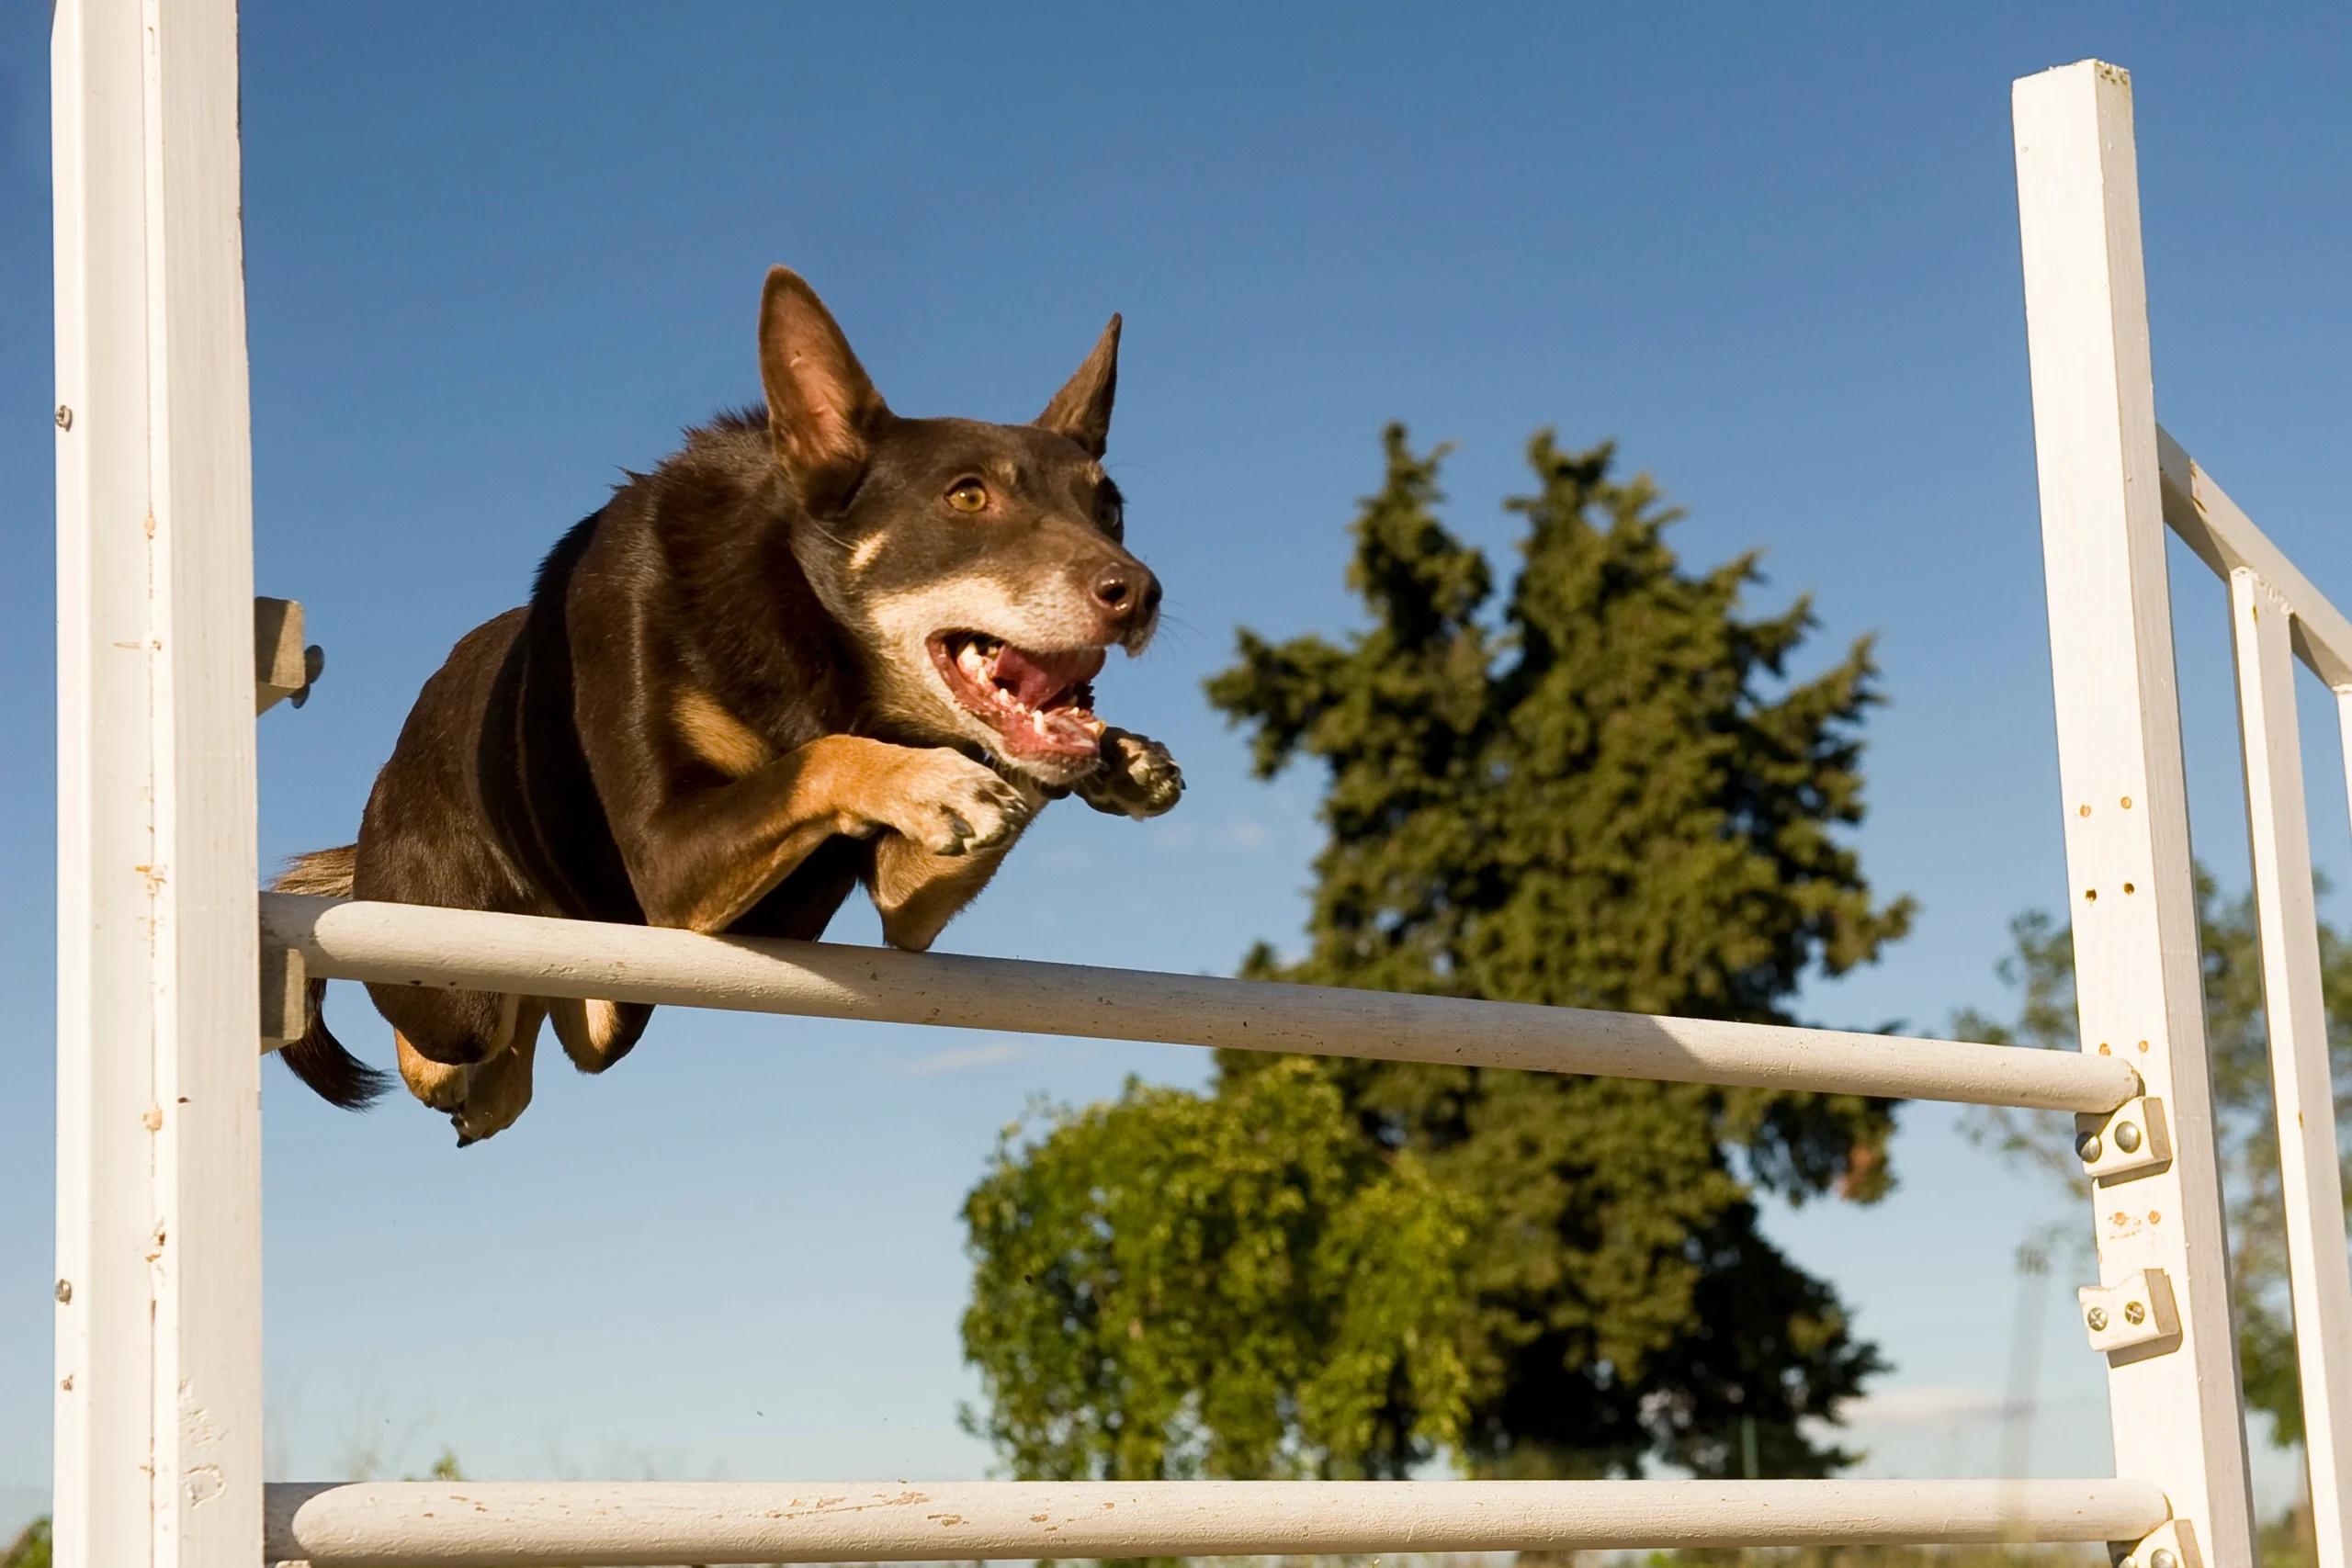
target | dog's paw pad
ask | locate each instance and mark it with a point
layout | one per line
(1138, 777)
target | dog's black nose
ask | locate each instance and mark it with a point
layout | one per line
(1127, 592)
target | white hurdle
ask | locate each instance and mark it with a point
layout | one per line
(162, 940)
(159, 1393)
(407, 945)
(539, 1525)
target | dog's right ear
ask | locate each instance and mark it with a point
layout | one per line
(822, 409)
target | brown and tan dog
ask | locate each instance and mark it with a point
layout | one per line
(821, 645)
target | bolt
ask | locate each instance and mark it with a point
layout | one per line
(64, 1292)
(2097, 1318)
(64, 417)
(2160, 1558)
(2087, 1149)
(2127, 1137)
(2134, 1314)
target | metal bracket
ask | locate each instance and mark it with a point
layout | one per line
(2136, 1310)
(2130, 1140)
(283, 667)
(2170, 1545)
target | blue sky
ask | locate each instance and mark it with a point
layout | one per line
(496, 253)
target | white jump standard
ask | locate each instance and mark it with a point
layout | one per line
(162, 940)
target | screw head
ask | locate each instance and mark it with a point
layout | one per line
(2134, 1314)
(64, 1292)
(2127, 1137)
(2163, 1558)
(2097, 1318)
(2088, 1148)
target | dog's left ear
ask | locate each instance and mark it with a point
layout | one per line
(1082, 410)
(822, 410)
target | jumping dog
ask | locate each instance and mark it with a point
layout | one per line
(820, 646)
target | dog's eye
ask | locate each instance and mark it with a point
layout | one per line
(969, 495)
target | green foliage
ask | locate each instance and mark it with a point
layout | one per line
(31, 1548)
(1610, 796)
(2040, 968)
(1176, 1286)
(1596, 807)
(445, 1467)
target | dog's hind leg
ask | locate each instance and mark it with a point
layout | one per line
(442, 1083)
(438, 1084)
(485, 1095)
(596, 1034)
(499, 1091)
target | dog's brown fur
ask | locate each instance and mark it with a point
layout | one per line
(736, 694)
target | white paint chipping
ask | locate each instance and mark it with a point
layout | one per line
(158, 1390)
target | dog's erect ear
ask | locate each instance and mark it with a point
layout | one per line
(822, 409)
(1082, 410)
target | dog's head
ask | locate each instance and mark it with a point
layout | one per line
(978, 568)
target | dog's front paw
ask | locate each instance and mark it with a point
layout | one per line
(1138, 777)
(951, 805)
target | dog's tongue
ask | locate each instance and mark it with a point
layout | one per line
(1037, 679)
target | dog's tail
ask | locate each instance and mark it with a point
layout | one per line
(318, 1058)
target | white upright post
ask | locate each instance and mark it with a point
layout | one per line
(158, 1392)
(2303, 1083)
(2174, 1400)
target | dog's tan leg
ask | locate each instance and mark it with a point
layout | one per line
(916, 892)
(701, 868)
(500, 1089)
(596, 1034)
(441, 1085)
(442, 1088)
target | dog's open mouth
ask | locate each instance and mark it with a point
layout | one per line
(1041, 703)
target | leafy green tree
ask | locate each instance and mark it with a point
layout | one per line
(31, 1548)
(2041, 969)
(1611, 794)
(1175, 1285)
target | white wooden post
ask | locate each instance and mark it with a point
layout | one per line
(2174, 1403)
(2261, 626)
(158, 1396)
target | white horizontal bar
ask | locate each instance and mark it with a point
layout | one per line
(416, 945)
(515, 1524)
(2225, 538)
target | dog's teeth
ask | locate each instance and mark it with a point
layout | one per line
(1094, 726)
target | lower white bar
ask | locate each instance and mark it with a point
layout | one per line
(515, 1524)
(412, 944)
